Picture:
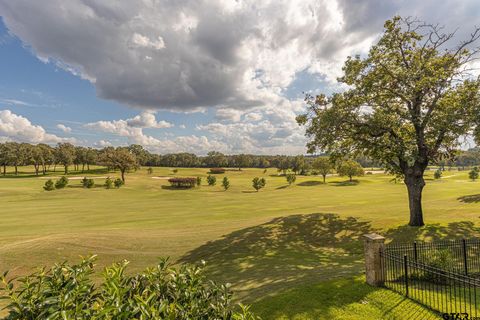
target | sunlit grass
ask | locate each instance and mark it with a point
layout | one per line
(265, 243)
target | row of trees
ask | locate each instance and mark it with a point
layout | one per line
(44, 157)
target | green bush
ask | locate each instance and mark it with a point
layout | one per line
(108, 183)
(150, 170)
(69, 292)
(258, 183)
(87, 183)
(61, 183)
(175, 171)
(437, 174)
(199, 181)
(211, 180)
(118, 183)
(49, 185)
(291, 178)
(473, 174)
(225, 183)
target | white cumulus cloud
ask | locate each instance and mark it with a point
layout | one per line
(18, 128)
(64, 128)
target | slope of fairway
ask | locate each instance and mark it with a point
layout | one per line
(265, 243)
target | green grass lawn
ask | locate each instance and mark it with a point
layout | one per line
(293, 252)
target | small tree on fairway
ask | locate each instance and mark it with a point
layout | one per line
(323, 166)
(108, 183)
(61, 183)
(350, 169)
(437, 174)
(225, 183)
(212, 180)
(49, 185)
(175, 171)
(88, 183)
(199, 181)
(473, 174)
(407, 103)
(150, 170)
(258, 183)
(118, 183)
(291, 178)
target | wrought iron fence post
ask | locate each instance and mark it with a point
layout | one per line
(465, 256)
(415, 254)
(405, 265)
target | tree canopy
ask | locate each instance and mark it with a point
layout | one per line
(406, 105)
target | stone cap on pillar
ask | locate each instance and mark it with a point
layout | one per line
(374, 237)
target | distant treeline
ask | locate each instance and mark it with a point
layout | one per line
(45, 157)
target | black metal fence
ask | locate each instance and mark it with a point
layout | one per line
(440, 275)
(460, 256)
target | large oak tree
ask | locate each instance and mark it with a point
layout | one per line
(406, 104)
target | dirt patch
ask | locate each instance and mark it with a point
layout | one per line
(161, 178)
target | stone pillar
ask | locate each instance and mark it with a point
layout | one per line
(373, 263)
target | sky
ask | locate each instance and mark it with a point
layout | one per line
(185, 75)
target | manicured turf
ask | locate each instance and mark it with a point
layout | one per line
(284, 243)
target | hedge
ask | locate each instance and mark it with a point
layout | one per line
(183, 182)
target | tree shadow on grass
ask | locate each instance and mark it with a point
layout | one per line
(311, 183)
(347, 183)
(433, 232)
(284, 252)
(473, 198)
(79, 186)
(282, 187)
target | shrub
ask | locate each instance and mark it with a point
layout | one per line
(258, 183)
(118, 183)
(217, 170)
(108, 183)
(88, 183)
(473, 174)
(437, 174)
(199, 181)
(291, 178)
(175, 171)
(264, 171)
(69, 292)
(49, 185)
(183, 183)
(61, 183)
(150, 170)
(225, 183)
(211, 180)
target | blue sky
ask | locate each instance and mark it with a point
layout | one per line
(190, 76)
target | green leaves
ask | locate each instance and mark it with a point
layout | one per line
(161, 292)
(406, 103)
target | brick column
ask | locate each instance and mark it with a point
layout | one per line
(373, 264)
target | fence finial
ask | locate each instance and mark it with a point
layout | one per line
(374, 243)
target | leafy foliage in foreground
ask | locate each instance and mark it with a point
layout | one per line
(162, 292)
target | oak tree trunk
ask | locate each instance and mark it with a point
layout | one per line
(415, 184)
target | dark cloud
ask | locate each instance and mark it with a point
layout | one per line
(187, 54)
